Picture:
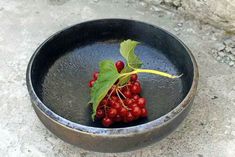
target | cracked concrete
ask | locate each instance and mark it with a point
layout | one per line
(209, 129)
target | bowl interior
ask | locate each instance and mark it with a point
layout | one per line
(64, 64)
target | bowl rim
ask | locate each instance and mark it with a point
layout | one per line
(163, 120)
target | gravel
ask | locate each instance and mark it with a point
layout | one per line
(224, 52)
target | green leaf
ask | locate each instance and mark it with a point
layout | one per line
(108, 75)
(123, 80)
(127, 49)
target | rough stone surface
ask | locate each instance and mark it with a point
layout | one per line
(219, 13)
(209, 129)
(225, 52)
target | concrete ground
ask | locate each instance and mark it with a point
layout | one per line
(209, 129)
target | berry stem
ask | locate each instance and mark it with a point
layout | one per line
(122, 101)
(111, 92)
(105, 110)
(121, 93)
(156, 72)
(122, 86)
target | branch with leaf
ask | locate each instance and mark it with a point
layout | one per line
(108, 74)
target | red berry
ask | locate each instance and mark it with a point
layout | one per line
(125, 120)
(123, 89)
(99, 113)
(100, 106)
(107, 121)
(112, 112)
(104, 102)
(117, 106)
(128, 102)
(135, 89)
(127, 94)
(114, 98)
(144, 112)
(118, 118)
(112, 91)
(137, 83)
(123, 112)
(91, 83)
(130, 86)
(136, 97)
(95, 75)
(134, 104)
(119, 65)
(136, 111)
(111, 102)
(141, 102)
(129, 117)
(134, 77)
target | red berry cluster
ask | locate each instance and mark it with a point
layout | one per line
(122, 103)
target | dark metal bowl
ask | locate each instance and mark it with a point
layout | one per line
(60, 69)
